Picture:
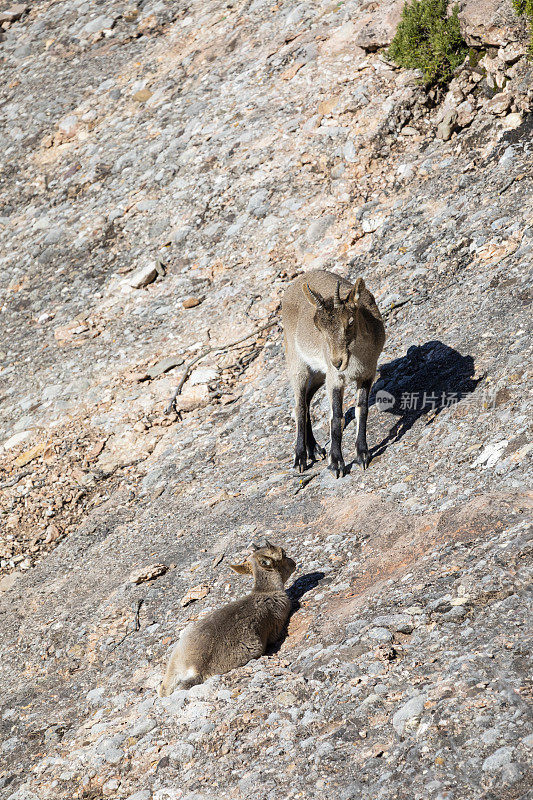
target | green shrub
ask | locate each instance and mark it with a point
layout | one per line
(525, 8)
(428, 40)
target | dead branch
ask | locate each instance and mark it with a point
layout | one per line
(206, 352)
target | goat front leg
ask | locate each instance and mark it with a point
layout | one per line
(301, 413)
(361, 412)
(314, 450)
(336, 461)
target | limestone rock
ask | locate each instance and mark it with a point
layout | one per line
(143, 276)
(149, 573)
(491, 22)
(13, 13)
(500, 104)
(379, 31)
(447, 126)
(409, 713)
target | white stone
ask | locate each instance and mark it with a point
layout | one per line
(372, 224)
(411, 710)
(143, 276)
(101, 23)
(203, 375)
(491, 454)
(68, 124)
(23, 794)
(143, 795)
(512, 121)
(94, 697)
(350, 152)
(143, 727)
(16, 439)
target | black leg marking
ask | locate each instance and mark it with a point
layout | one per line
(300, 458)
(314, 450)
(362, 457)
(336, 461)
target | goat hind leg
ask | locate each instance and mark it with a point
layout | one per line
(361, 447)
(301, 413)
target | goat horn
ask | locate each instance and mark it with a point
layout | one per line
(317, 297)
(337, 297)
(269, 544)
(255, 546)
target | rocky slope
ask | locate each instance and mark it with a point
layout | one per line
(165, 169)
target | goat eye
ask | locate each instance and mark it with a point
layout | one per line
(350, 321)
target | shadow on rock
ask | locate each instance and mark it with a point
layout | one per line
(300, 587)
(428, 379)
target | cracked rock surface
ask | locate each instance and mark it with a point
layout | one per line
(166, 168)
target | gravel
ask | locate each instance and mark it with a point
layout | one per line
(234, 146)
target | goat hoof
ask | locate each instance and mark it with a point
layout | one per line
(338, 468)
(363, 459)
(300, 463)
(316, 452)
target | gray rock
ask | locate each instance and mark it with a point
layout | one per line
(235, 147)
(98, 24)
(95, 696)
(143, 727)
(318, 228)
(380, 634)
(143, 276)
(180, 234)
(447, 125)
(455, 614)
(408, 713)
(496, 761)
(181, 752)
(23, 794)
(396, 622)
(164, 365)
(490, 736)
(500, 103)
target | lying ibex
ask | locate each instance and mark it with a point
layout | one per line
(334, 334)
(232, 635)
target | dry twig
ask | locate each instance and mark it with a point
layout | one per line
(206, 352)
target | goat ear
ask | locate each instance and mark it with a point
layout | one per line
(313, 297)
(242, 569)
(354, 298)
(275, 551)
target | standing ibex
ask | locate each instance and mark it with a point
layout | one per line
(232, 635)
(334, 334)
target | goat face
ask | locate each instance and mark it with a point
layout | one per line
(335, 319)
(272, 557)
(268, 559)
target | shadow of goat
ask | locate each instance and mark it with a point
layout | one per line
(300, 587)
(429, 378)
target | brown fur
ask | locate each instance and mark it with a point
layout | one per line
(232, 635)
(334, 334)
